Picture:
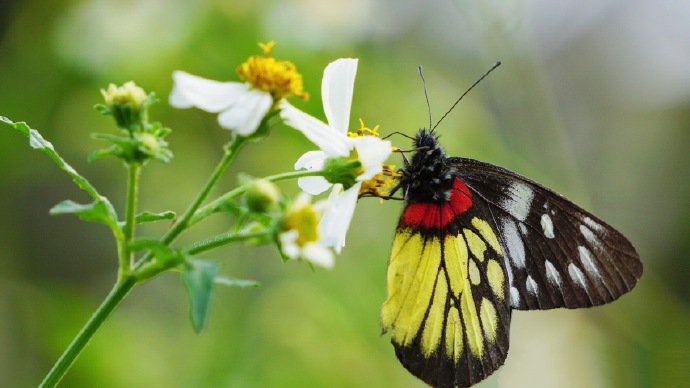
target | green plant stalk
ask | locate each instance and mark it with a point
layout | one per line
(130, 214)
(126, 282)
(181, 224)
(155, 268)
(219, 202)
(119, 291)
(223, 239)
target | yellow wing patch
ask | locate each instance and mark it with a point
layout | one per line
(431, 284)
(446, 307)
(488, 233)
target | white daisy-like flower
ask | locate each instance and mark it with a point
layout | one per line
(333, 140)
(241, 105)
(300, 237)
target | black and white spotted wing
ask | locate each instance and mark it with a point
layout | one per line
(555, 253)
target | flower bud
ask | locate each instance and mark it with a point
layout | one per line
(127, 104)
(261, 195)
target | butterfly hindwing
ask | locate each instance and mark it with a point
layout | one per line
(557, 254)
(447, 307)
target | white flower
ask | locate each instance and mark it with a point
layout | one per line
(300, 238)
(332, 138)
(242, 105)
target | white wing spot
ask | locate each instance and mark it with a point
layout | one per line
(516, 249)
(531, 286)
(577, 275)
(552, 274)
(593, 224)
(590, 236)
(523, 229)
(518, 200)
(588, 261)
(547, 226)
(514, 297)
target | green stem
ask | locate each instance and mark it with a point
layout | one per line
(154, 268)
(182, 223)
(222, 239)
(130, 213)
(119, 291)
(219, 202)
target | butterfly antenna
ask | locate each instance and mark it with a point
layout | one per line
(497, 64)
(426, 95)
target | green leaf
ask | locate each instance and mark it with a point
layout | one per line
(103, 109)
(151, 217)
(95, 211)
(199, 277)
(235, 282)
(37, 141)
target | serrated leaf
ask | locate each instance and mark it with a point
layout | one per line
(37, 141)
(152, 217)
(199, 277)
(235, 282)
(95, 211)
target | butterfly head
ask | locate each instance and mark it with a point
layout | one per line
(426, 178)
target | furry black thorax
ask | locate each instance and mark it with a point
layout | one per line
(427, 177)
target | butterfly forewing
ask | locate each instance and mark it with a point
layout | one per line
(556, 253)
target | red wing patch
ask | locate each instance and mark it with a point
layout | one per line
(434, 215)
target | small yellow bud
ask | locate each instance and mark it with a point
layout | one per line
(127, 93)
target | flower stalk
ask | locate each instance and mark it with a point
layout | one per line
(116, 295)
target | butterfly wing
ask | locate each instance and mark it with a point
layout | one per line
(448, 303)
(556, 253)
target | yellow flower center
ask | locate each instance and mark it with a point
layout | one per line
(381, 184)
(305, 220)
(280, 78)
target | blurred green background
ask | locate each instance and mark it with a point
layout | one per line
(592, 100)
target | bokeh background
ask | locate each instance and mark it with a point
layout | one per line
(592, 99)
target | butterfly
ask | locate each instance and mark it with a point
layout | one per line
(476, 241)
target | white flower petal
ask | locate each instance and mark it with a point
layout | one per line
(336, 92)
(336, 219)
(247, 112)
(211, 96)
(311, 160)
(288, 244)
(313, 185)
(371, 152)
(329, 140)
(318, 254)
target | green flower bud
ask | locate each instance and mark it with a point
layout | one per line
(261, 195)
(342, 170)
(127, 104)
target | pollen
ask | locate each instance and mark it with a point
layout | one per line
(280, 78)
(363, 130)
(382, 183)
